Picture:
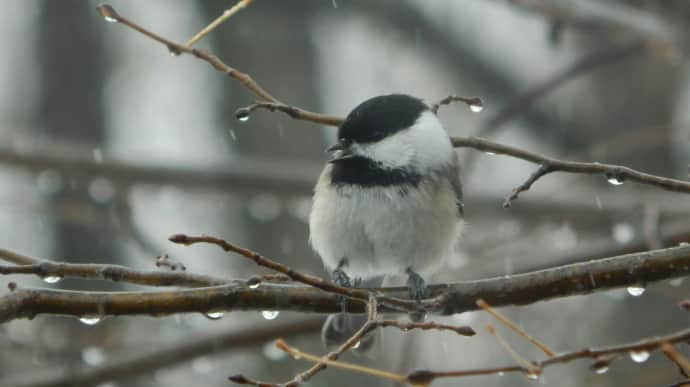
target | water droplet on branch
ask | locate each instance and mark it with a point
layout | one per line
(476, 107)
(639, 356)
(635, 291)
(216, 315)
(52, 279)
(242, 114)
(270, 314)
(90, 320)
(614, 180)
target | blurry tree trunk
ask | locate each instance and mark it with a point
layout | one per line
(70, 106)
(281, 59)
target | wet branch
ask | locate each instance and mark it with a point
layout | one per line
(635, 269)
(267, 101)
(616, 174)
(116, 273)
(243, 78)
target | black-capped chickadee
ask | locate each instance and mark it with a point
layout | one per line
(389, 202)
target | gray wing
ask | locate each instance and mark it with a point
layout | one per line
(454, 177)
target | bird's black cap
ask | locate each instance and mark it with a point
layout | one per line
(380, 117)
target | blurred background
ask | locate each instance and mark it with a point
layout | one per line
(108, 145)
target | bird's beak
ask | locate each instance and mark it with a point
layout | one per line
(342, 152)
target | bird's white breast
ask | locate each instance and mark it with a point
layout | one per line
(384, 230)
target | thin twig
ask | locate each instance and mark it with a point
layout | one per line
(298, 354)
(425, 377)
(532, 370)
(245, 79)
(429, 325)
(244, 113)
(475, 103)
(618, 173)
(116, 273)
(372, 310)
(512, 326)
(359, 294)
(227, 14)
(613, 173)
(681, 361)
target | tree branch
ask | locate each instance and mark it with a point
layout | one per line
(176, 49)
(612, 172)
(129, 365)
(635, 269)
(115, 273)
(615, 174)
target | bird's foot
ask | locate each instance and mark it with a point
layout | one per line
(416, 285)
(418, 291)
(340, 278)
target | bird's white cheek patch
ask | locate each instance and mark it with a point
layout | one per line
(424, 145)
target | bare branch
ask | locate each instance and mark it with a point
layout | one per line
(177, 49)
(512, 326)
(635, 269)
(612, 172)
(474, 103)
(243, 113)
(615, 174)
(242, 4)
(115, 273)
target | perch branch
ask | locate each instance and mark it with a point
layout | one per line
(635, 269)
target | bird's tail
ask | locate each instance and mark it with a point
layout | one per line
(340, 327)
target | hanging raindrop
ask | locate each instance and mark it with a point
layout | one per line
(614, 180)
(90, 320)
(635, 291)
(602, 369)
(216, 315)
(242, 114)
(270, 314)
(476, 107)
(52, 279)
(639, 356)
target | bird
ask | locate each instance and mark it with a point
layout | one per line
(388, 202)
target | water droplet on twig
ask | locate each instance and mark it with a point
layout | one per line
(635, 291)
(270, 314)
(215, 315)
(639, 356)
(476, 107)
(90, 320)
(52, 279)
(614, 180)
